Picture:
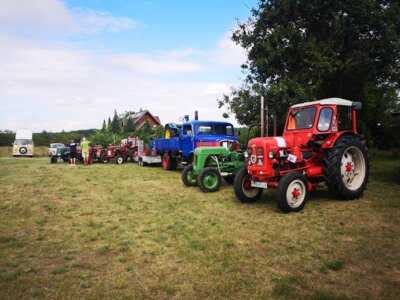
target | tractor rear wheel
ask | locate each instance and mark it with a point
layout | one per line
(346, 168)
(188, 178)
(243, 189)
(209, 180)
(292, 192)
(119, 160)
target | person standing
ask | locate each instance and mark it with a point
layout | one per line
(72, 152)
(85, 150)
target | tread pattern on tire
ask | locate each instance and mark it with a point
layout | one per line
(202, 174)
(283, 185)
(331, 167)
(184, 175)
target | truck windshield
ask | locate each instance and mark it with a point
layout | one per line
(206, 128)
(301, 118)
(23, 142)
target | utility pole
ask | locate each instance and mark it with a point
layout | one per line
(264, 117)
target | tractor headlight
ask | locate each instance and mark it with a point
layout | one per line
(271, 154)
(246, 154)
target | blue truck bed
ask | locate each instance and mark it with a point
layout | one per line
(173, 144)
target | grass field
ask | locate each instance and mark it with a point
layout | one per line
(109, 231)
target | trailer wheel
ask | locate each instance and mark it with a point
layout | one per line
(209, 180)
(119, 160)
(188, 176)
(243, 189)
(167, 162)
(292, 192)
(346, 168)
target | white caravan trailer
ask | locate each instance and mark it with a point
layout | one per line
(23, 144)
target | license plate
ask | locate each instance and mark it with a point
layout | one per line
(257, 184)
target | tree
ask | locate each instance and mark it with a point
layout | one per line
(104, 127)
(109, 124)
(301, 50)
(130, 126)
(115, 127)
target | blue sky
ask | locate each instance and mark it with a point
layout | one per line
(67, 65)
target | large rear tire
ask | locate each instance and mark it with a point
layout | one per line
(346, 168)
(209, 180)
(243, 189)
(292, 192)
(188, 178)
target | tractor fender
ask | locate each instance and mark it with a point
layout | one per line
(331, 140)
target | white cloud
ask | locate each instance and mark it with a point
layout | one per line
(228, 53)
(53, 18)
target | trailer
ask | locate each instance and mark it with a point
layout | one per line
(146, 155)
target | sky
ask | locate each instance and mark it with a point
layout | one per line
(67, 65)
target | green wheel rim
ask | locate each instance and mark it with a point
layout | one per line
(210, 181)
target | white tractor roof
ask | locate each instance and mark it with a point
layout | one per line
(329, 101)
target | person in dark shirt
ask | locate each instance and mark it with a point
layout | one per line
(72, 151)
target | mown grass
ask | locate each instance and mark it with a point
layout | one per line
(109, 231)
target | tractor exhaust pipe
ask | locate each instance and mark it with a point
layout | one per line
(262, 117)
(196, 115)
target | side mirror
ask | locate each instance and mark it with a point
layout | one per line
(357, 105)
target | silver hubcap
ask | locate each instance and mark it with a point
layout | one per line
(352, 168)
(296, 193)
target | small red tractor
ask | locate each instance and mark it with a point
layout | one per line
(127, 149)
(319, 144)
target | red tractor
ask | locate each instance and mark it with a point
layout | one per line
(319, 144)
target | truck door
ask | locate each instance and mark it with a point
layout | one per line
(187, 139)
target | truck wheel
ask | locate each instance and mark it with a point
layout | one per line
(292, 192)
(209, 180)
(53, 159)
(229, 179)
(119, 160)
(167, 162)
(243, 189)
(188, 178)
(346, 168)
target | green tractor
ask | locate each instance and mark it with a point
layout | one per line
(210, 164)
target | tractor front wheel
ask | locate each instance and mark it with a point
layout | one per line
(188, 178)
(119, 160)
(209, 180)
(243, 189)
(346, 168)
(292, 192)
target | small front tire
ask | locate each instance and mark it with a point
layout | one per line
(188, 177)
(292, 192)
(243, 189)
(209, 180)
(119, 160)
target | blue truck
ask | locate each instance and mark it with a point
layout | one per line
(179, 142)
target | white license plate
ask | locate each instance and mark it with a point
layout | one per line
(257, 184)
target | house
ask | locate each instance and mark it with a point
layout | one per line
(140, 118)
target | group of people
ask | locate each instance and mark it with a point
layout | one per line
(84, 144)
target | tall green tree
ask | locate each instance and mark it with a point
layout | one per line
(104, 127)
(303, 50)
(109, 124)
(115, 126)
(130, 126)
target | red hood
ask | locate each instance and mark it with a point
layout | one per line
(276, 142)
